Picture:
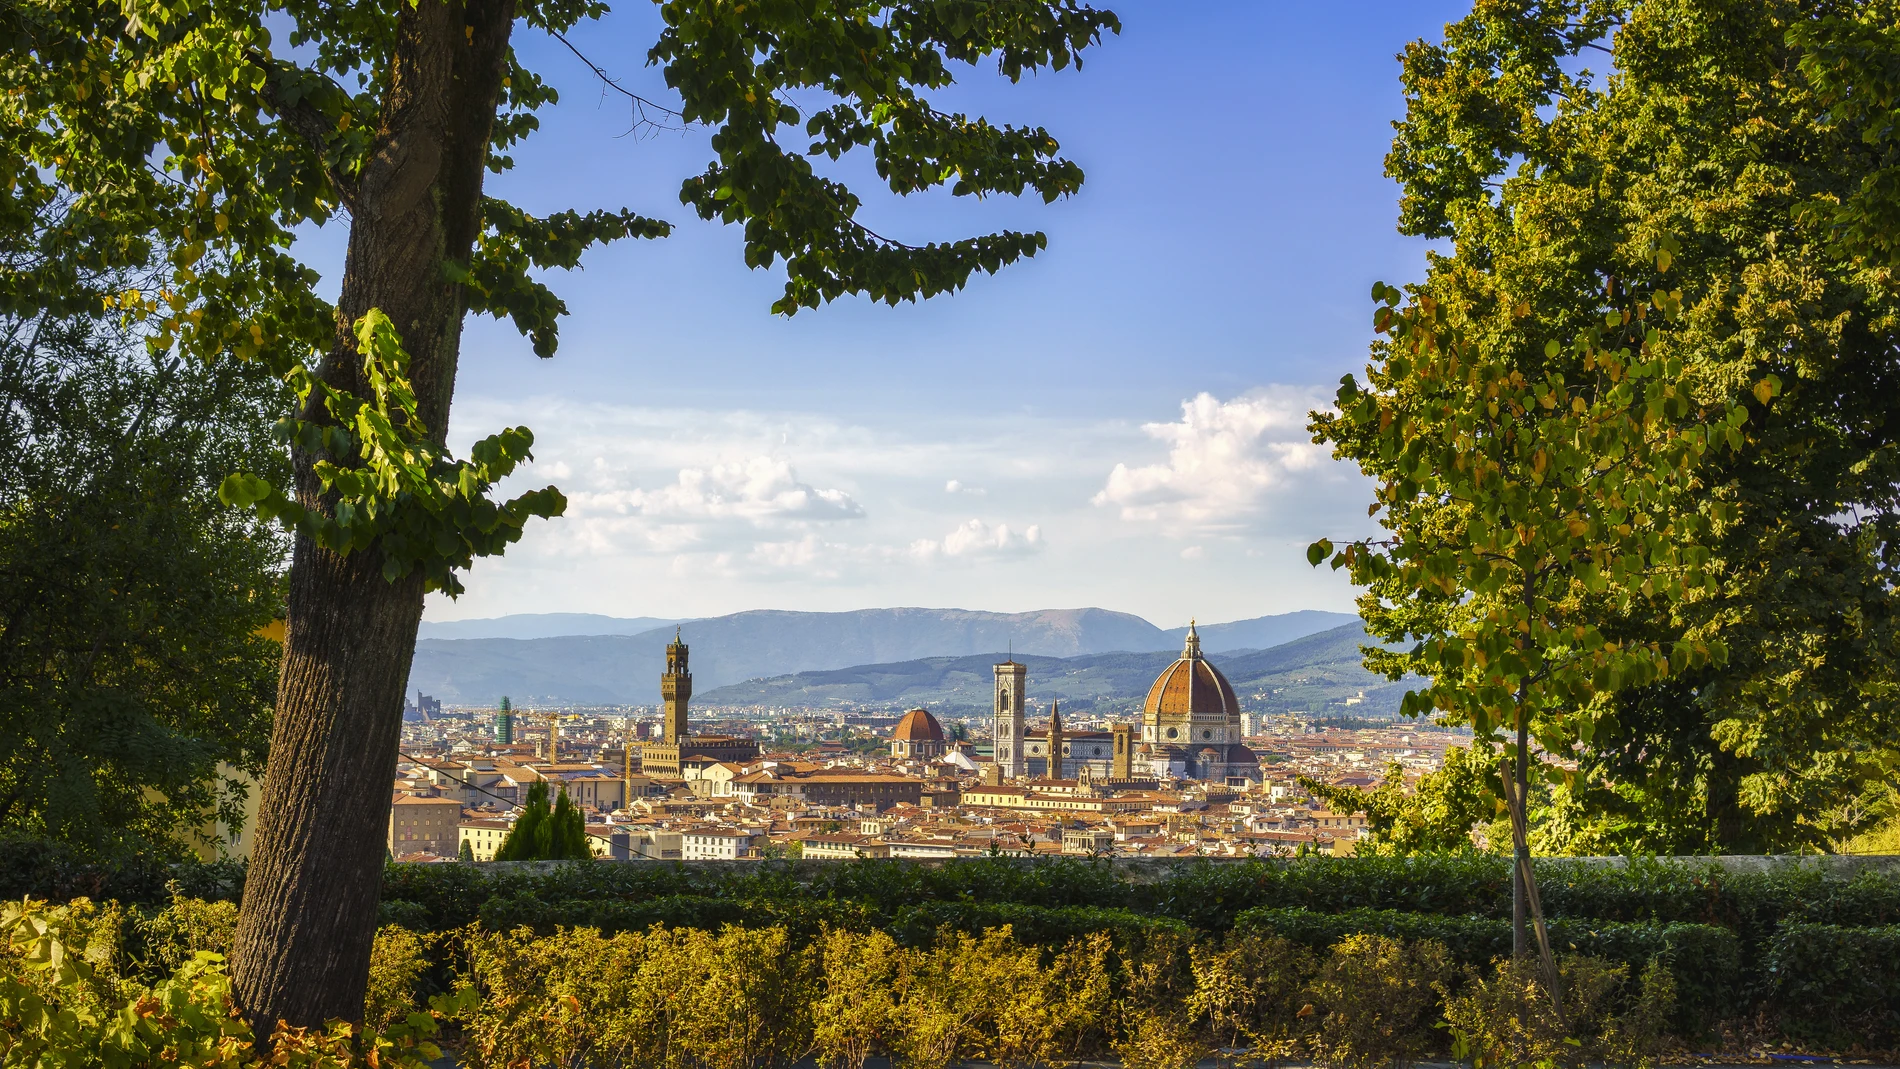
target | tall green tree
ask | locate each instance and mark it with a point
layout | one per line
(136, 685)
(1759, 133)
(222, 127)
(1519, 512)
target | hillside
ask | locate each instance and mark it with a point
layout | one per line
(1315, 673)
(542, 625)
(625, 669)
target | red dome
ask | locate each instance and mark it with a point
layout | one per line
(1191, 685)
(917, 726)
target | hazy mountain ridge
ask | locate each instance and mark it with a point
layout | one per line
(1315, 673)
(625, 669)
(543, 625)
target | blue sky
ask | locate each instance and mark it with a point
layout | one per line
(1116, 422)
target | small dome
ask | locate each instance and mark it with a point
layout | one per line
(917, 726)
(1191, 685)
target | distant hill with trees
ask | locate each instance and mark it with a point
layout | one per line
(1315, 673)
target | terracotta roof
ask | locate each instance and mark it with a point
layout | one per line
(1191, 685)
(918, 726)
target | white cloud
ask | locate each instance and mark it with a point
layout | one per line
(1232, 465)
(1193, 553)
(976, 540)
(956, 486)
(758, 490)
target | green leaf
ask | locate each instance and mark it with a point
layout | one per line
(1318, 551)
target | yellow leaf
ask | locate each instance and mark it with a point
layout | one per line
(1663, 259)
(1764, 391)
(220, 222)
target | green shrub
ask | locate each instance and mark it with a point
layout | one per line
(64, 1009)
(176, 934)
(1509, 1018)
(1704, 962)
(51, 871)
(680, 998)
(989, 997)
(397, 960)
(863, 975)
(1373, 999)
(1154, 1026)
(1248, 990)
(1833, 984)
(1055, 926)
(804, 918)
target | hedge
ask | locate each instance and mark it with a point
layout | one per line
(805, 918)
(1207, 896)
(1705, 960)
(1752, 904)
(1834, 984)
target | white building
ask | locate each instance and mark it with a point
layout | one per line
(723, 844)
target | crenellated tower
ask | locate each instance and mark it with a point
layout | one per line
(676, 690)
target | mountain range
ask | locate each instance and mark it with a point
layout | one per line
(543, 625)
(624, 669)
(1319, 674)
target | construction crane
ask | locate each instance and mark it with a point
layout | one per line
(553, 754)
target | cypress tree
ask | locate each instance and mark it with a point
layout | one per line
(527, 840)
(568, 831)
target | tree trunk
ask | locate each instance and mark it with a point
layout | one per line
(1520, 909)
(1527, 913)
(309, 911)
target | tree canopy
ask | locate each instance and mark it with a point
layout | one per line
(1741, 155)
(137, 684)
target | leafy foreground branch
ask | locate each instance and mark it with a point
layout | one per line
(89, 985)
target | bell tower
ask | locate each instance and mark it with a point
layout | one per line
(1008, 723)
(676, 689)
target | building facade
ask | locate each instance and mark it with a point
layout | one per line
(424, 825)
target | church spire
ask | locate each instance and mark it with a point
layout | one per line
(1055, 740)
(1193, 649)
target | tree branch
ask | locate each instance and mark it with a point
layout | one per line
(638, 103)
(310, 124)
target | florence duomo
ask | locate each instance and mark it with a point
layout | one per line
(1190, 729)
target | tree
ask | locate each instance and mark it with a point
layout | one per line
(136, 684)
(466, 852)
(189, 121)
(541, 834)
(1520, 511)
(1437, 817)
(1759, 134)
